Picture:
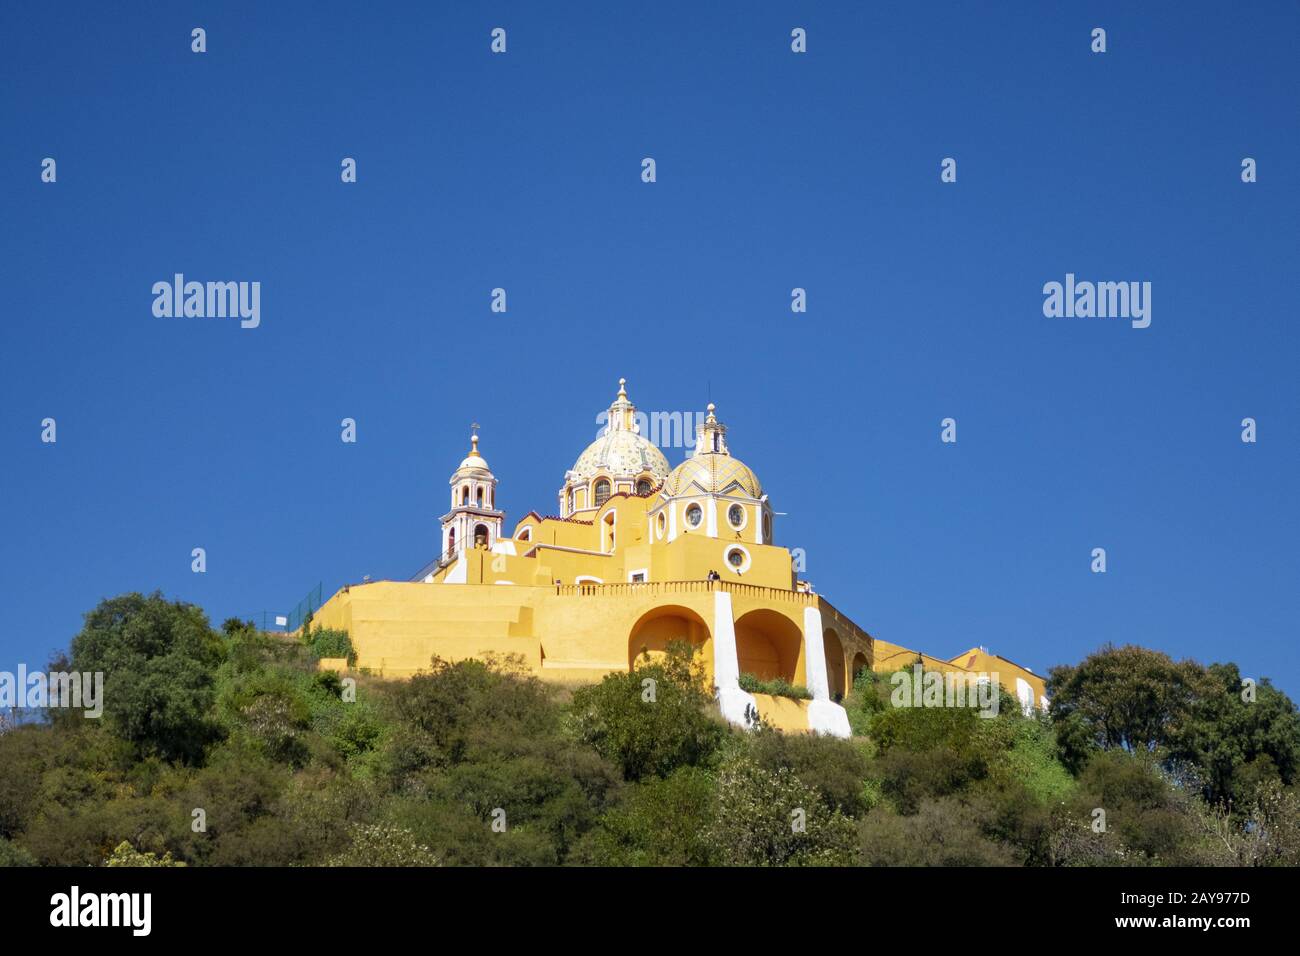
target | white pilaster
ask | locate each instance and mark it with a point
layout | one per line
(734, 703)
(824, 715)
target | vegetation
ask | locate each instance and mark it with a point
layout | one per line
(230, 748)
(776, 687)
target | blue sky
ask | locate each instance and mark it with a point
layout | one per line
(775, 170)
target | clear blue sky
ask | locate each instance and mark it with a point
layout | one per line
(774, 170)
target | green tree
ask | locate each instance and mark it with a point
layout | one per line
(1238, 743)
(1128, 698)
(158, 659)
(652, 720)
(772, 818)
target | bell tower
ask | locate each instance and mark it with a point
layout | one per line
(473, 520)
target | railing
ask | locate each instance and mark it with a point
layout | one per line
(437, 564)
(655, 588)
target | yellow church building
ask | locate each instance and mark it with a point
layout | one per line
(639, 555)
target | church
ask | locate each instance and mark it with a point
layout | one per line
(639, 555)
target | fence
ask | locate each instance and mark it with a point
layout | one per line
(305, 608)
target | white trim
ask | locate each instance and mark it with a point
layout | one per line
(726, 554)
(744, 516)
(713, 518)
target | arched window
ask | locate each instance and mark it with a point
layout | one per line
(451, 541)
(643, 486)
(601, 492)
(480, 496)
(464, 494)
(480, 535)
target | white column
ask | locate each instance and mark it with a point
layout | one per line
(734, 703)
(824, 716)
(815, 654)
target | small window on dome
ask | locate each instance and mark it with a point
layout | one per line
(643, 486)
(694, 515)
(736, 516)
(601, 492)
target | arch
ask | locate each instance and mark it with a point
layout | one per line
(464, 494)
(834, 649)
(481, 533)
(451, 540)
(859, 665)
(479, 499)
(643, 486)
(660, 626)
(600, 491)
(768, 645)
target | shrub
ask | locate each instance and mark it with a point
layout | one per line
(776, 687)
(653, 720)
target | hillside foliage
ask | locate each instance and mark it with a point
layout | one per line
(229, 747)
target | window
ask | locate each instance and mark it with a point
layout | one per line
(464, 495)
(601, 492)
(736, 517)
(525, 534)
(637, 577)
(480, 497)
(643, 486)
(661, 523)
(767, 528)
(694, 515)
(737, 559)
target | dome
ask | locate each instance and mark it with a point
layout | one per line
(713, 474)
(621, 454)
(622, 451)
(473, 464)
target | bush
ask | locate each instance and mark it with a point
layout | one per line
(653, 720)
(772, 818)
(328, 642)
(659, 822)
(776, 687)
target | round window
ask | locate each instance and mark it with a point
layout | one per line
(694, 515)
(736, 515)
(737, 559)
(661, 524)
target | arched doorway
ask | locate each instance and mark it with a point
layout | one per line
(769, 645)
(834, 650)
(658, 628)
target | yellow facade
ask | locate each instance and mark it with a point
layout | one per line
(639, 556)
